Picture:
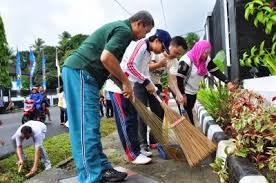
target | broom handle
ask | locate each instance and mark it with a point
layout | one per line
(157, 97)
(182, 110)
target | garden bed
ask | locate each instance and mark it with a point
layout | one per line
(248, 121)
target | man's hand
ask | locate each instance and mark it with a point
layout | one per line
(32, 172)
(163, 63)
(127, 90)
(179, 99)
(151, 88)
(20, 162)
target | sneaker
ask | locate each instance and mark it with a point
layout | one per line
(112, 175)
(146, 151)
(47, 165)
(141, 160)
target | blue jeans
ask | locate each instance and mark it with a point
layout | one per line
(82, 99)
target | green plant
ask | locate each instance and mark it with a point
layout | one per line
(216, 103)
(219, 60)
(272, 159)
(259, 56)
(263, 13)
(164, 80)
(252, 119)
(220, 167)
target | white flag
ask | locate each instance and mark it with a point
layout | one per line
(57, 64)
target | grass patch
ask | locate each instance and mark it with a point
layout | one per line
(58, 149)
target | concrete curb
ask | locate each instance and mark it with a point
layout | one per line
(60, 164)
(240, 169)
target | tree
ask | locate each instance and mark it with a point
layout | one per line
(51, 72)
(39, 44)
(25, 82)
(71, 45)
(5, 80)
(64, 37)
(191, 38)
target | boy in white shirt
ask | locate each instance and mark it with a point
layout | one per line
(37, 131)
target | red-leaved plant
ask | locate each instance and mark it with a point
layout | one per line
(254, 128)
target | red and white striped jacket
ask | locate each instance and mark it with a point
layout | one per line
(135, 61)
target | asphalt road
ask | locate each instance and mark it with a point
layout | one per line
(13, 120)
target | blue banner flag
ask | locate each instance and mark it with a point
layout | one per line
(43, 63)
(18, 71)
(32, 67)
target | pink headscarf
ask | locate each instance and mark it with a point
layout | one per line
(195, 53)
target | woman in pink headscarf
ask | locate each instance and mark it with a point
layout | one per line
(193, 66)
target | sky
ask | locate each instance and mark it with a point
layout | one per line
(27, 20)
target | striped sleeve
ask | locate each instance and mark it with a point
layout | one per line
(212, 67)
(136, 58)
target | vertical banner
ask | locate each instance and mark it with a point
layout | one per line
(32, 67)
(43, 63)
(18, 70)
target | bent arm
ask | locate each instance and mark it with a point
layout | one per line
(111, 63)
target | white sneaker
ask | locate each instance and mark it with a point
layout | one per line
(141, 160)
(47, 165)
(145, 152)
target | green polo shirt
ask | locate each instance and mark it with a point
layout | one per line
(114, 37)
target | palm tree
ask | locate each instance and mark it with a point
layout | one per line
(64, 37)
(39, 44)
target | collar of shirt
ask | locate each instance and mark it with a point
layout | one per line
(129, 24)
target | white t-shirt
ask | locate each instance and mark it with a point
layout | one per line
(192, 84)
(111, 87)
(38, 133)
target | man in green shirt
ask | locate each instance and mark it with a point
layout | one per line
(84, 73)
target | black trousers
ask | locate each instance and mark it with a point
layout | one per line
(101, 109)
(63, 115)
(109, 109)
(191, 99)
(149, 100)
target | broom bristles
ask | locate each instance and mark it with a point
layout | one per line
(160, 134)
(195, 145)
